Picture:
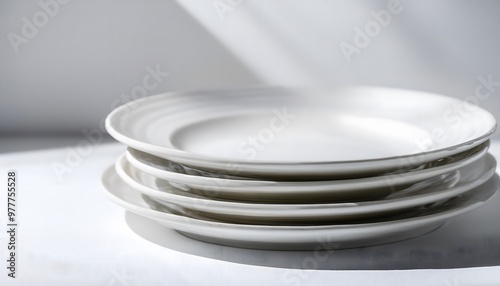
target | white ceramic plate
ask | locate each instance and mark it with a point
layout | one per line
(300, 133)
(206, 184)
(299, 237)
(465, 179)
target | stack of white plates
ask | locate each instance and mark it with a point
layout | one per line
(278, 168)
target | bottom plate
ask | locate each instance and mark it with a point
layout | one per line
(299, 237)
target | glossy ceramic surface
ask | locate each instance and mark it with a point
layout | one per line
(420, 195)
(210, 185)
(298, 134)
(298, 237)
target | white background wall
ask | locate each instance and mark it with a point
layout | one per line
(70, 73)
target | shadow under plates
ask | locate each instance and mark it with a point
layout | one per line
(469, 240)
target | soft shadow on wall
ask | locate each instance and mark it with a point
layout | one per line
(66, 73)
(90, 56)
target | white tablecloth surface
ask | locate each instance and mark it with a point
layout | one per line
(71, 234)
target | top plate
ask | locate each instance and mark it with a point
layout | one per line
(301, 133)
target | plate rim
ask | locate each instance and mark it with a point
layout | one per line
(178, 154)
(111, 171)
(381, 180)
